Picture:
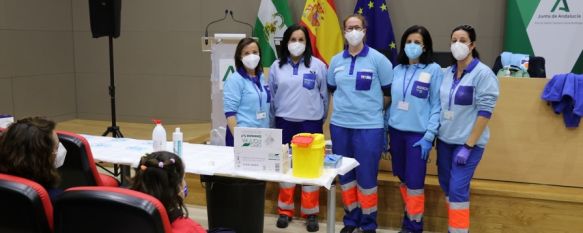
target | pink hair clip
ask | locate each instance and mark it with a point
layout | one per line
(173, 161)
(161, 164)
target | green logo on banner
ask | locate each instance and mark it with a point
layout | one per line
(564, 8)
(230, 70)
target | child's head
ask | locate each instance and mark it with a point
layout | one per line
(161, 174)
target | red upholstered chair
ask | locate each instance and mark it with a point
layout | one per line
(25, 206)
(79, 168)
(109, 209)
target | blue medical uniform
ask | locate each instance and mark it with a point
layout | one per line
(299, 104)
(462, 101)
(248, 99)
(357, 128)
(413, 115)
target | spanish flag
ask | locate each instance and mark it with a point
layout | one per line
(320, 17)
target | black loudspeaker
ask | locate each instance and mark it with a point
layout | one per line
(105, 17)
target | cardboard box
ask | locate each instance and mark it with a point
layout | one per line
(260, 149)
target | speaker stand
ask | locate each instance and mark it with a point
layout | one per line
(122, 170)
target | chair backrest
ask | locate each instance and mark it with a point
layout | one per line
(79, 167)
(536, 66)
(25, 206)
(99, 209)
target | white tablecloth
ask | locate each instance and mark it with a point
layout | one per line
(202, 159)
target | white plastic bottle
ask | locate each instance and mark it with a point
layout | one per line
(159, 136)
(177, 139)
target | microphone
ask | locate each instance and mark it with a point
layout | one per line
(233, 17)
(206, 30)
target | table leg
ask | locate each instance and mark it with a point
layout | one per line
(124, 175)
(331, 216)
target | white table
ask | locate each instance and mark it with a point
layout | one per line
(213, 160)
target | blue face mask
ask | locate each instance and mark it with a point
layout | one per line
(413, 50)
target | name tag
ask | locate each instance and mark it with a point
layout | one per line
(261, 115)
(425, 77)
(448, 115)
(402, 105)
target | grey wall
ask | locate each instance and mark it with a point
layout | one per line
(50, 65)
(37, 71)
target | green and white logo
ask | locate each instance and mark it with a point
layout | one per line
(547, 28)
(251, 140)
(564, 7)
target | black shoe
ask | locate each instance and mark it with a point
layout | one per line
(283, 221)
(312, 223)
(348, 229)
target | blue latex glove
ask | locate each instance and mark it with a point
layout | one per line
(425, 147)
(462, 154)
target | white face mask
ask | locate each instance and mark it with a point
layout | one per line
(251, 61)
(296, 49)
(354, 37)
(61, 154)
(460, 50)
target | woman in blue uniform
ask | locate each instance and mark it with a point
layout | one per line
(246, 94)
(359, 78)
(468, 94)
(414, 120)
(299, 103)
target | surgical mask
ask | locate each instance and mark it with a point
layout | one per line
(413, 50)
(354, 37)
(60, 157)
(251, 61)
(460, 50)
(296, 48)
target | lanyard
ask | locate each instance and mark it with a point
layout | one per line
(454, 87)
(258, 92)
(405, 88)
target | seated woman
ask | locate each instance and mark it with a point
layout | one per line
(161, 175)
(30, 148)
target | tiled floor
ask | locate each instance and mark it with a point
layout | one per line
(198, 213)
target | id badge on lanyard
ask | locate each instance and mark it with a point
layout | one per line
(260, 115)
(404, 105)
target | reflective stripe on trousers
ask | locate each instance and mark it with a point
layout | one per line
(285, 202)
(415, 204)
(368, 199)
(309, 200)
(349, 198)
(459, 216)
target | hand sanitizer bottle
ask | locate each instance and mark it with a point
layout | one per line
(177, 139)
(159, 136)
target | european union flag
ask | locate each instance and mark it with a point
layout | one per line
(379, 33)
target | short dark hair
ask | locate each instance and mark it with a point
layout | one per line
(285, 55)
(238, 62)
(27, 149)
(472, 33)
(160, 175)
(427, 55)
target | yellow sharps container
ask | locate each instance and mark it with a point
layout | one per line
(308, 155)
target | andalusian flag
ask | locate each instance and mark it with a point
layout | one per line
(320, 17)
(548, 28)
(272, 20)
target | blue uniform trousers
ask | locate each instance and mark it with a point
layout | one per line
(359, 186)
